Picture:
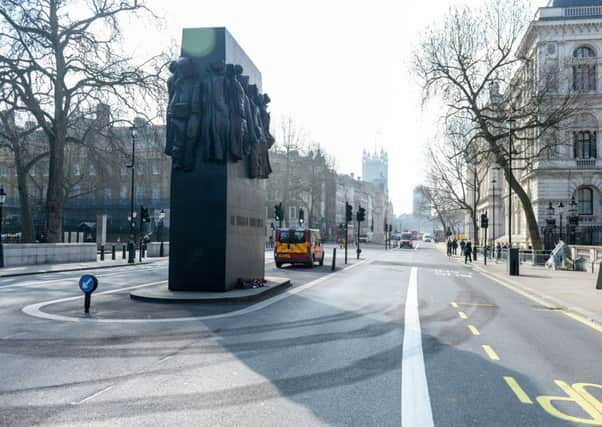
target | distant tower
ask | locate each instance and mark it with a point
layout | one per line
(375, 169)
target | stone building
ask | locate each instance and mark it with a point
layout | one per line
(564, 43)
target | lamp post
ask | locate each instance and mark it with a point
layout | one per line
(551, 223)
(131, 218)
(513, 254)
(493, 213)
(573, 221)
(560, 212)
(510, 127)
(161, 218)
(2, 200)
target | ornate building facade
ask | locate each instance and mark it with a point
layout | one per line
(563, 41)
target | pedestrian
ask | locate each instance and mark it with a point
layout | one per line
(271, 242)
(462, 247)
(449, 248)
(455, 247)
(467, 253)
(498, 250)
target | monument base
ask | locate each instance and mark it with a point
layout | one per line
(162, 294)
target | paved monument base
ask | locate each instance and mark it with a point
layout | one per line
(162, 294)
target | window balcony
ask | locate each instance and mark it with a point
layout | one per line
(586, 163)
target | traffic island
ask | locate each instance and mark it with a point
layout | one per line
(161, 293)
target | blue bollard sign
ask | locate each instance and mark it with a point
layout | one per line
(88, 283)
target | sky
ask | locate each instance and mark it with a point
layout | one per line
(342, 69)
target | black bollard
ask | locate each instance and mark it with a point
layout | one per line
(102, 252)
(123, 252)
(113, 252)
(334, 259)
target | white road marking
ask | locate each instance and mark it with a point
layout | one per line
(35, 309)
(98, 393)
(415, 400)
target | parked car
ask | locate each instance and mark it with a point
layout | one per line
(427, 238)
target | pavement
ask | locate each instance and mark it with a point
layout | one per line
(400, 337)
(570, 291)
(29, 270)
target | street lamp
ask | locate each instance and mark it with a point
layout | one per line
(2, 200)
(131, 245)
(560, 212)
(510, 127)
(494, 181)
(573, 220)
(161, 218)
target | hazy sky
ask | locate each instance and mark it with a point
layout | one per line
(341, 69)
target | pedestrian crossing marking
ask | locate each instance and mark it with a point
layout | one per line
(518, 391)
(453, 273)
(492, 354)
(462, 315)
(474, 330)
(454, 305)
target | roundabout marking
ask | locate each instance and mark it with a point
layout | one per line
(35, 309)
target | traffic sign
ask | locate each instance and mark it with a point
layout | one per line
(88, 283)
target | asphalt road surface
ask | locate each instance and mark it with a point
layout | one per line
(401, 337)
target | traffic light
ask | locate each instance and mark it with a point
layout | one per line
(484, 221)
(348, 212)
(278, 212)
(301, 216)
(144, 216)
(361, 214)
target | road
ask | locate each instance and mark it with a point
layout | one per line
(403, 336)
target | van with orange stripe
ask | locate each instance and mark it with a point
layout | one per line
(298, 246)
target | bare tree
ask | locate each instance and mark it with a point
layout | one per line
(454, 178)
(472, 64)
(61, 58)
(17, 139)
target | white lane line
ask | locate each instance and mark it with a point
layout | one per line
(98, 393)
(35, 309)
(415, 400)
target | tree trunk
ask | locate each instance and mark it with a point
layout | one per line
(525, 200)
(27, 228)
(55, 199)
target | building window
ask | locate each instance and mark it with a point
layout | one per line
(292, 212)
(76, 170)
(123, 193)
(123, 170)
(585, 201)
(156, 192)
(585, 145)
(108, 194)
(3, 170)
(156, 167)
(77, 191)
(584, 70)
(92, 170)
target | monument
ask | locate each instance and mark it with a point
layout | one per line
(218, 136)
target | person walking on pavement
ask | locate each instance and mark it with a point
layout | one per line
(498, 250)
(462, 247)
(449, 247)
(468, 253)
(455, 247)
